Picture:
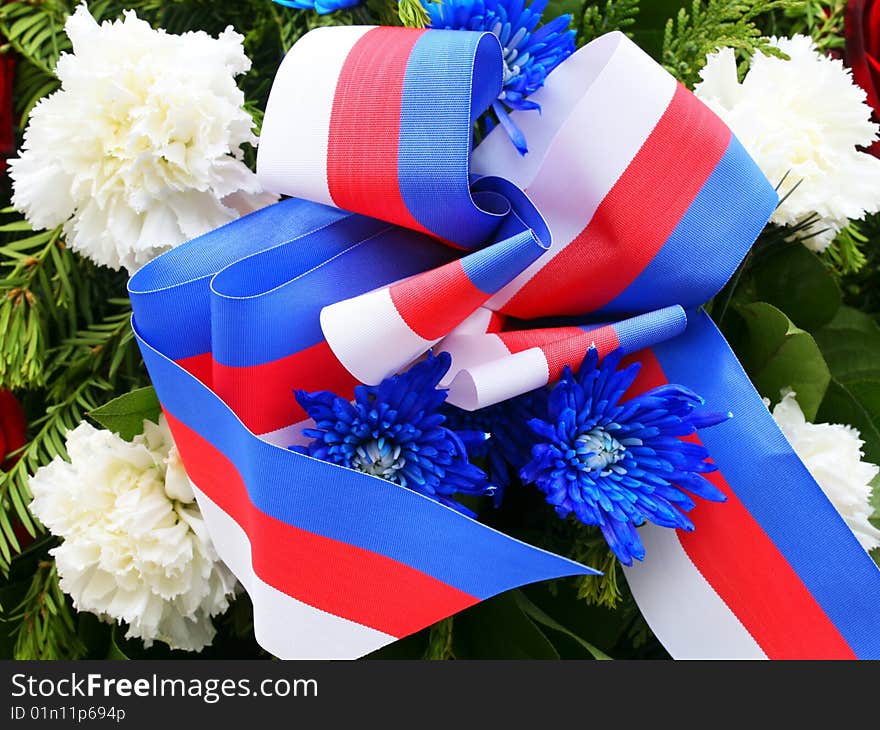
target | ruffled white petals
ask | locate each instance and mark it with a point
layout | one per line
(136, 548)
(833, 454)
(140, 147)
(802, 121)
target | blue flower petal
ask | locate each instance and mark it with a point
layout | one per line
(618, 465)
(530, 52)
(395, 431)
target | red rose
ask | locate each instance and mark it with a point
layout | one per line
(7, 123)
(13, 427)
(863, 51)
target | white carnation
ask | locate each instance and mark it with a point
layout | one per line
(802, 121)
(833, 454)
(136, 548)
(138, 149)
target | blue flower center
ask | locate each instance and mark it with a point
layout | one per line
(513, 62)
(598, 450)
(381, 458)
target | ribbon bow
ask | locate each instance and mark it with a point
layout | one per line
(634, 206)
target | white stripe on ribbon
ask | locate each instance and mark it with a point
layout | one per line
(284, 626)
(369, 337)
(495, 381)
(579, 151)
(697, 624)
(475, 324)
(292, 155)
(470, 350)
(291, 435)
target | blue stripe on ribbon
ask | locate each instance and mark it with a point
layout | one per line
(775, 487)
(279, 266)
(637, 333)
(353, 507)
(435, 132)
(492, 267)
(362, 256)
(179, 325)
(731, 208)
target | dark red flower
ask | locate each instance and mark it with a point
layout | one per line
(13, 435)
(13, 427)
(7, 124)
(863, 51)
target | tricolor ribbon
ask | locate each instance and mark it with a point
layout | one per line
(633, 207)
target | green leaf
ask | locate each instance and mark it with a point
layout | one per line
(842, 405)
(794, 280)
(851, 346)
(776, 354)
(499, 629)
(536, 614)
(125, 415)
(114, 652)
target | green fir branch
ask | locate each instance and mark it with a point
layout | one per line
(31, 84)
(615, 15)
(382, 12)
(44, 622)
(590, 548)
(289, 26)
(822, 19)
(412, 14)
(846, 254)
(46, 443)
(46, 293)
(862, 288)
(713, 24)
(35, 29)
(31, 294)
(87, 369)
(440, 641)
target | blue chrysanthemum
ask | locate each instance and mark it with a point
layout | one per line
(321, 6)
(499, 435)
(616, 464)
(529, 54)
(395, 431)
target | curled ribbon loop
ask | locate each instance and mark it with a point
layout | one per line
(616, 201)
(634, 206)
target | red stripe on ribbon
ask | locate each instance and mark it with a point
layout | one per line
(262, 396)
(562, 345)
(496, 322)
(365, 127)
(747, 571)
(200, 367)
(368, 588)
(436, 302)
(636, 217)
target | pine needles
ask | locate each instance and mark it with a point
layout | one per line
(45, 627)
(64, 343)
(711, 24)
(84, 371)
(36, 31)
(590, 548)
(413, 14)
(30, 295)
(846, 254)
(823, 20)
(615, 15)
